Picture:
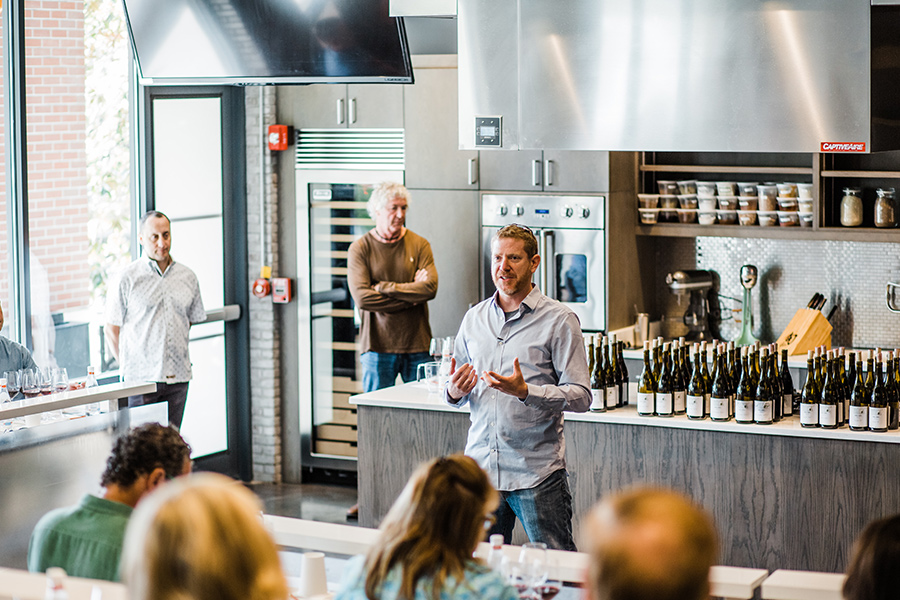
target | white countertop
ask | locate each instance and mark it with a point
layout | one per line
(68, 399)
(415, 396)
(803, 585)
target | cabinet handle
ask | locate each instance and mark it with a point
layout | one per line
(536, 173)
(473, 171)
(548, 172)
(353, 110)
(340, 111)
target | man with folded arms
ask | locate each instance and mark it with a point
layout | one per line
(86, 539)
(649, 544)
(521, 365)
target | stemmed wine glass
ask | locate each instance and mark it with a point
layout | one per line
(435, 348)
(533, 562)
(30, 385)
(45, 379)
(60, 380)
(12, 382)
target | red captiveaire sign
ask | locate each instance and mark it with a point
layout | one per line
(843, 147)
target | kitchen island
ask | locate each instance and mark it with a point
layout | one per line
(783, 496)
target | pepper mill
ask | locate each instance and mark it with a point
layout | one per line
(749, 277)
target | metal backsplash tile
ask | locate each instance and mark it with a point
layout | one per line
(851, 274)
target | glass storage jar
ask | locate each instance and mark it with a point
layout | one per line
(884, 208)
(851, 208)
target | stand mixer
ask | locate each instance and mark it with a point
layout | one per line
(749, 277)
(696, 317)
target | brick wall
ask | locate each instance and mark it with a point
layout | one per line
(265, 351)
(57, 175)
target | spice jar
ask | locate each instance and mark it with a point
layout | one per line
(884, 208)
(851, 208)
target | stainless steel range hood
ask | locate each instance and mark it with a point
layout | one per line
(681, 75)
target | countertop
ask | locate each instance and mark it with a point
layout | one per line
(68, 399)
(415, 396)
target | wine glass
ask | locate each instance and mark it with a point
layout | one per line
(30, 384)
(12, 382)
(552, 584)
(447, 346)
(435, 348)
(533, 561)
(45, 379)
(60, 380)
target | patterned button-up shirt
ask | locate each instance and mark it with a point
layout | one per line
(520, 442)
(155, 311)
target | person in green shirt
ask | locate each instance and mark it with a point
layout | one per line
(86, 539)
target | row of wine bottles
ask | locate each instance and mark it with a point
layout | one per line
(745, 385)
(609, 375)
(835, 395)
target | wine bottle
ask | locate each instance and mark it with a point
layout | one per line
(764, 404)
(623, 374)
(686, 370)
(719, 404)
(787, 386)
(828, 399)
(656, 348)
(590, 355)
(664, 390)
(733, 358)
(646, 400)
(893, 400)
(598, 383)
(695, 401)
(775, 384)
(809, 397)
(870, 373)
(707, 380)
(843, 388)
(859, 402)
(679, 385)
(612, 375)
(745, 395)
(878, 405)
(715, 361)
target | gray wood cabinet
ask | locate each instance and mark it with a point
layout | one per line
(547, 171)
(433, 157)
(351, 106)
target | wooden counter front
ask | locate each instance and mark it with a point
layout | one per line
(794, 499)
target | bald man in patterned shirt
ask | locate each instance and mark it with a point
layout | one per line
(149, 313)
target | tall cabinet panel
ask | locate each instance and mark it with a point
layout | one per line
(433, 157)
(547, 171)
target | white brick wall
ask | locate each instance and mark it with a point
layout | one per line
(265, 356)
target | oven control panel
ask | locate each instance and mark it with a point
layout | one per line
(575, 212)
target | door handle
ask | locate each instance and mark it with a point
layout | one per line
(536, 173)
(353, 110)
(889, 295)
(473, 171)
(549, 262)
(340, 111)
(548, 172)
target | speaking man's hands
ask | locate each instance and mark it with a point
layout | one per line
(462, 380)
(514, 385)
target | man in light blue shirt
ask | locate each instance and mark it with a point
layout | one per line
(13, 356)
(529, 352)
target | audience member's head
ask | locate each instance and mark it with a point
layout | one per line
(383, 193)
(434, 526)
(873, 573)
(201, 538)
(649, 544)
(142, 459)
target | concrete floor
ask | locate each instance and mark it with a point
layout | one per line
(313, 501)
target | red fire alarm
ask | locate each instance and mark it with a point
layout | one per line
(281, 290)
(278, 137)
(261, 288)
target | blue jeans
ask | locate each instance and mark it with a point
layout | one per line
(380, 370)
(545, 511)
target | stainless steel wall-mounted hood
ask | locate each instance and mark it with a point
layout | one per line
(682, 75)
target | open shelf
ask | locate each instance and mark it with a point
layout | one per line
(725, 169)
(863, 174)
(840, 234)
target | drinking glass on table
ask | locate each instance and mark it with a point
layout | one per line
(31, 386)
(552, 584)
(435, 348)
(60, 380)
(533, 561)
(45, 379)
(13, 382)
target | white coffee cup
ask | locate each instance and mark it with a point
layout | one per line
(312, 575)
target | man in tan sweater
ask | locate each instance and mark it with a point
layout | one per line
(392, 277)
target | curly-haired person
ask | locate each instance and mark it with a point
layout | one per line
(86, 539)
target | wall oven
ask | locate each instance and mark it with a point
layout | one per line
(571, 242)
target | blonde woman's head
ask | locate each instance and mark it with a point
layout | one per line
(200, 537)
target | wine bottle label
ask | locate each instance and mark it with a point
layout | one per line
(695, 406)
(809, 414)
(663, 404)
(787, 405)
(762, 411)
(678, 402)
(827, 415)
(598, 401)
(612, 396)
(878, 418)
(645, 403)
(859, 417)
(743, 411)
(718, 409)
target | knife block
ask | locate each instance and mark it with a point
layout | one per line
(807, 330)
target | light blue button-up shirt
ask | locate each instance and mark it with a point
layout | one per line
(520, 442)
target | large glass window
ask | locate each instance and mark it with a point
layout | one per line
(76, 70)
